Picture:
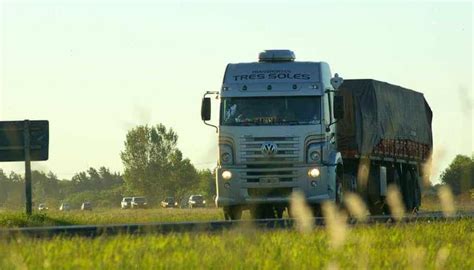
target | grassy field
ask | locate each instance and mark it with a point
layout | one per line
(108, 216)
(444, 245)
(438, 245)
(114, 216)
(464, 202)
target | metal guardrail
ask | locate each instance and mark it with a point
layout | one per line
(206, 227)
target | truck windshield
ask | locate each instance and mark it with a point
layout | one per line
(249, 111)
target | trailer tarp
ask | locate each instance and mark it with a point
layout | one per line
(376, 111)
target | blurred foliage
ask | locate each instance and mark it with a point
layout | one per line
(460, 174)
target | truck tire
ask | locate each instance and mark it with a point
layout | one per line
(341, 186)
(418, 188)
(413, 190)
(375, 201)
(406, 187)
(232, 212)
(317, 210)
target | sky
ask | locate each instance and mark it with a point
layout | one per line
(96, 69)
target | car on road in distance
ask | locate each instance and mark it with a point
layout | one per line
(65, 207)
(86, 206)
(196, 201)
(42, 207)
(138, 202)
(126, 202)
(169, 202)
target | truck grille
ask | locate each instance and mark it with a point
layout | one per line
(287, 149)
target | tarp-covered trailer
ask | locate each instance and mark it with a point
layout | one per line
(387, 126)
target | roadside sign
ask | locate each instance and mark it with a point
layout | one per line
(12, 140)
(24, 141)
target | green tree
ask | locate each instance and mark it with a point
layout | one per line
(207, 183)
(16, 191)
(184, 178)
(4, 187)
(45, 187)
(460, 174)
(153, 164)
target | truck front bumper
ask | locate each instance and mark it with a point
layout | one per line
(253, 186)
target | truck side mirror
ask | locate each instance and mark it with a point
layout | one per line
(206, 109)
(338, 107)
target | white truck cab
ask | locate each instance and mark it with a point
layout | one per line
(276, 134)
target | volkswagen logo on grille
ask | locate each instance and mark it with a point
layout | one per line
(269, 149)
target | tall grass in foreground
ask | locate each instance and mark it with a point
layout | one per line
(443, 245)
(440, 245)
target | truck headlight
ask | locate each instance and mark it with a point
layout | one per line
(313, 172)
(227, 175)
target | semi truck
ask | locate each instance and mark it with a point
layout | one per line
(290, 126)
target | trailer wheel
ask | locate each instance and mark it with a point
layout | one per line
(375, 201)
(413, 191)
(406, 187)
(377, 208)
(232, 212)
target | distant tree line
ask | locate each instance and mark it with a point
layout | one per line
(100, 186)
(460, 174)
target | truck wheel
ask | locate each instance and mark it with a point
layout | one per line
(341, 186)
(417, 193)
(375, 201)
(316, 210)
(407, 188)
(232, 212)
(378, 208)
(414, 194)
